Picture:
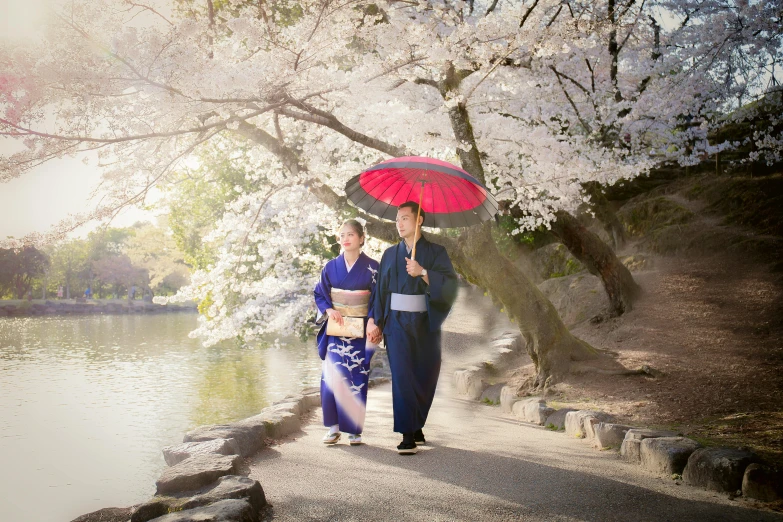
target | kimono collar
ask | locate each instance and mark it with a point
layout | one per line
(418, 243)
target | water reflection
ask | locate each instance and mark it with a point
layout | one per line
(87, 403)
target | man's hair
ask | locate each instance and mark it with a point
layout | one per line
(414, 208)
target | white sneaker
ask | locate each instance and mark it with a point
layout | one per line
(331, 438)
(354, 440)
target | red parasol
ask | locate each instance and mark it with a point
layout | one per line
(449, 196)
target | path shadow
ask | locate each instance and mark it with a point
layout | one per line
(553, 492)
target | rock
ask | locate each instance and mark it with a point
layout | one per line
(762, 483)
(228, 487)
(249, 438)
(223, 511)
(576, 422)
(286, 407)
(275, 424)
(469, 382)
(176, 454)
(508, 396)
(666, 455)
(196, 472)
(718, 469)
(518, 408)
(630, 449)
(106, 515)
(231, 487)
(491, 394)
(536, 411)
(311, 398)
(609, 435)
(554, 260)
(557, 419)
(589, 423)
(576, 298)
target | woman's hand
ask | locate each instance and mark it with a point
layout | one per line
(373, 332)
(335, 316)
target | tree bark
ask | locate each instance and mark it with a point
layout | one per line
(599, 259)
(605, 213)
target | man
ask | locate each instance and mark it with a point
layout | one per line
(412, 299)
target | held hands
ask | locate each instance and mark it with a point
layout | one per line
(335, 316)
(373, 332)
(413, 267)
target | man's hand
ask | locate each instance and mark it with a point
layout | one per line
(373, 332)
(413, 267)
(335, 316)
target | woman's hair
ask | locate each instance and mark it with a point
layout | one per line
(356, 226)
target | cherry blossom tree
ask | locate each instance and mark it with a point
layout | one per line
(538, 100)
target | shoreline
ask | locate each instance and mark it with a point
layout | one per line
(81, 306)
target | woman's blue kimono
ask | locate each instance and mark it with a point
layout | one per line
(413, 338)
(346, 366)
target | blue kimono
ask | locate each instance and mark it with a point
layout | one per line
(346, 366)
(413, 338)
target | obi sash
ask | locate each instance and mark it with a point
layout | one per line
(350, 303)
(409, 303)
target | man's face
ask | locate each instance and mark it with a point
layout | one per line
(406, 220)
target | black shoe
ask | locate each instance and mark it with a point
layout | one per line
(407, 446)
(418, 438)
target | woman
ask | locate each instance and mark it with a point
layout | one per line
(346, 288)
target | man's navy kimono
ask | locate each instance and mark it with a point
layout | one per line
(413, 338)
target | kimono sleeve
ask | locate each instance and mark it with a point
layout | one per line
(323, 292)
(442, 289)
(378, 309)
(374, 269)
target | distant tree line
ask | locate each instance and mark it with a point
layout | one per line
(109, 262)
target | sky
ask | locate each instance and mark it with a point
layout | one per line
(41, 198)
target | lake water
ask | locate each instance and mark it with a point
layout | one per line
(87, 403)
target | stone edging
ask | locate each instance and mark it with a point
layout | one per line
(736, 471)
(207, 478)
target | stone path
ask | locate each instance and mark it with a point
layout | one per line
(478, 465)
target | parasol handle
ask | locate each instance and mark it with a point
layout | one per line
(416, 230)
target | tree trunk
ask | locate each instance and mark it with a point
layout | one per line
(605, 213)
(599, 259)
(549, 343)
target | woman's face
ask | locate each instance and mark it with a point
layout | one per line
(350, 240)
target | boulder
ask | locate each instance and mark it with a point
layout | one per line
(630, 449)
(580, 423)
(576, 298)
(519, 407)
(176, 454)
(227, 487)
(536, 411)
(589, 423)
(718, 469)
(249, 438)
(667, 455)
(557, 419)
(196, 472)
(508, 396)
(492, 393)
(609, 435)
(469, 382)
(311, 399)
(290, 406)
(223, 511)
(762, 483)
(106, 515)
(275, 424)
